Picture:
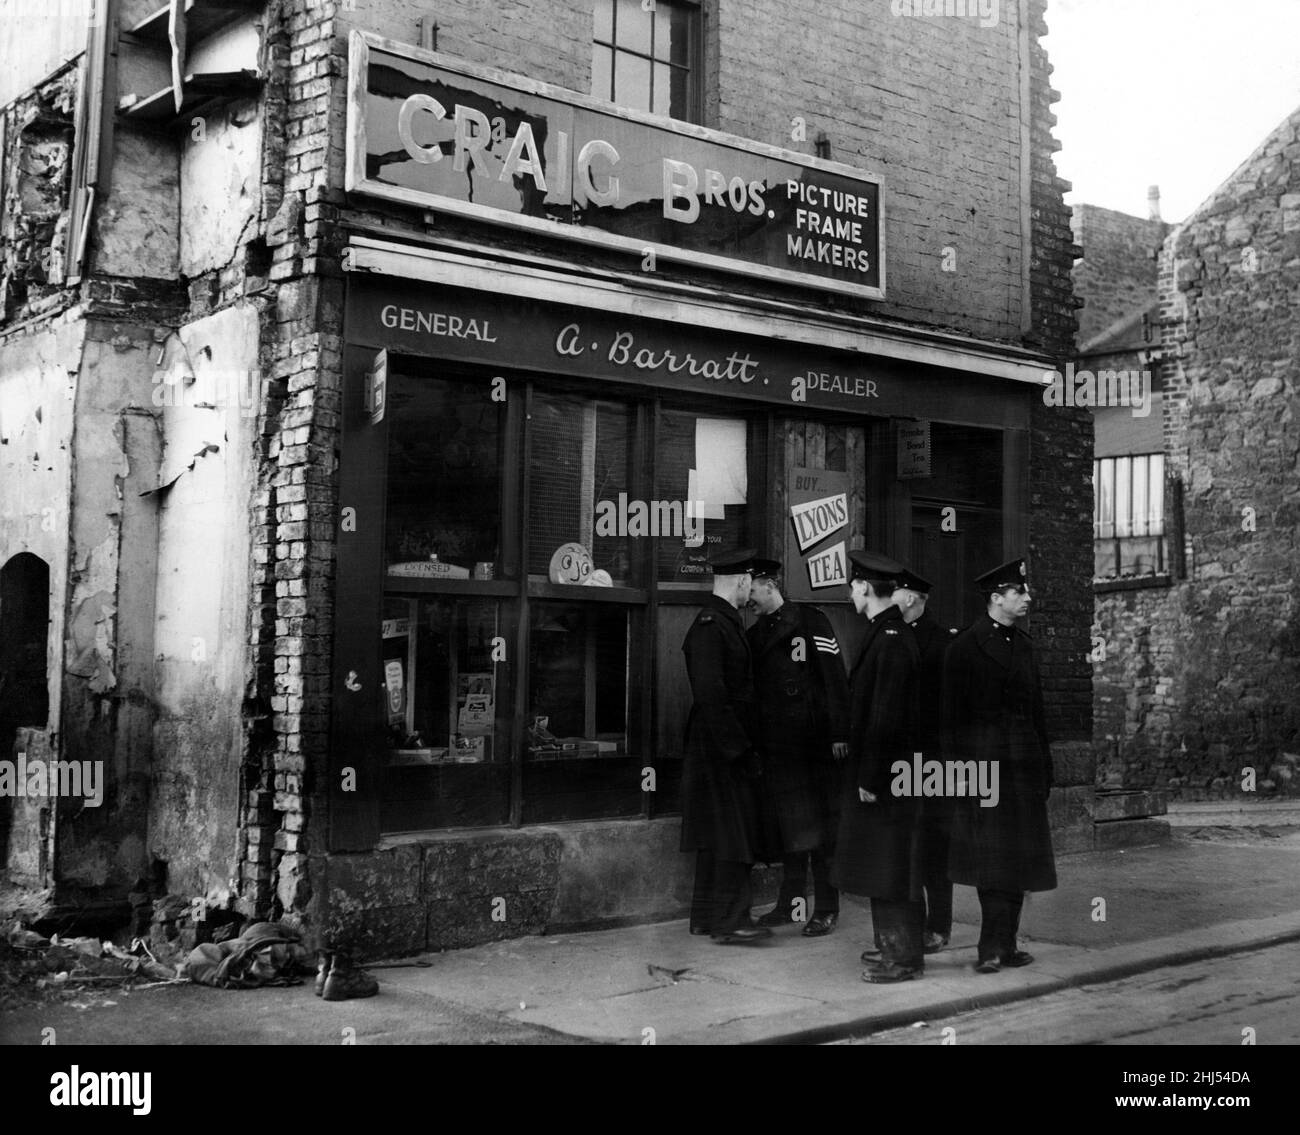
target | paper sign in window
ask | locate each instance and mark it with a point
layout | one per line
(721, 462)
(815, 520)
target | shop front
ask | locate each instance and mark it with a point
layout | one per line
(536, 462)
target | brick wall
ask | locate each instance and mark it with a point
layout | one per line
(1118, 272)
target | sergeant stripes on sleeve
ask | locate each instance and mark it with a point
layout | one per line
(826, 645)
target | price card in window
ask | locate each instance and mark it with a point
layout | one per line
(395, 688)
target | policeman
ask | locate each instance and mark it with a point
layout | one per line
(719, 797)
(877, 852)
(993, 711)
(803, 695)
(936, 812)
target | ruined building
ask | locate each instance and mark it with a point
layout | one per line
(332, 331)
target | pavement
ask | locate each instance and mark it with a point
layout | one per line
(1228, 881)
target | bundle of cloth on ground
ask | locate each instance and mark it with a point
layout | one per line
(266, 953)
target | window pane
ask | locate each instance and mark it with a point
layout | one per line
(673, 34)
(580, 744)
(633, 30)
(631, 81)
(604, 21)
(1106, 497)
(601, 72)
(448, 707)
(1156, 494)
(1123, 498)
(702, 459)
(580, 487)
(680, 103)
(444, 478)
(663, 89)
(1139, 496)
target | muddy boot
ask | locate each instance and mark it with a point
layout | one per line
(345, 982)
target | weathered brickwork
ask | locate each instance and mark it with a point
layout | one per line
(1119, 272)
(1200, 680)
(1060, 445)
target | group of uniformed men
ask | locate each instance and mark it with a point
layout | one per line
(790, 760)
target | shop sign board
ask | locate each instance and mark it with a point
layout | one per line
(439, 133)
(528, 336)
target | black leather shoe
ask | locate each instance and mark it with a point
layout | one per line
(934, 942)
(699, 929)
(988, 965)
(889, 974)
(779, 915)
(1017, 958)
(820, 924)
(742, 936)
(871, 956)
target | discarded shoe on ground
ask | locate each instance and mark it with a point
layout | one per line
(344, 981)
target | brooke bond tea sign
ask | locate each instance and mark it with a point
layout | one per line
(442, 134)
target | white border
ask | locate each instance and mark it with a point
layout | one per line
(356, 181)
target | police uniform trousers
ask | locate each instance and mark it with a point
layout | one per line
(899, 928)
(794, 874)
(722, 895)
(937, 835)
(999, 922)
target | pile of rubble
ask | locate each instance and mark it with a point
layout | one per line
(36, 968)
(171, 940)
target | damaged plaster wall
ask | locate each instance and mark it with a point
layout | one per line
(220, 186)
(107, 692)
(136, 227)
(37, 39)
(38, 382)
(209, 405)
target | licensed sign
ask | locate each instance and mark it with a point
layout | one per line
(428, 130)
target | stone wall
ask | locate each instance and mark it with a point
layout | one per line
(1200, 680)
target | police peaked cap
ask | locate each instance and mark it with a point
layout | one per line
(736, 561)
(765, 569)
(1013, 573)
(913, 582)
(872, 565)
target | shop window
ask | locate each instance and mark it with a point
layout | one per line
(1128, 516)
(711, 467)
(581, 734)
(579, 488)
(645, 56)
(444, 480)
(443, 680)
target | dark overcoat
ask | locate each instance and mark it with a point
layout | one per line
(993, 711)
(878, 850)
(803, 697)
(933, 640)
(720, 810)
